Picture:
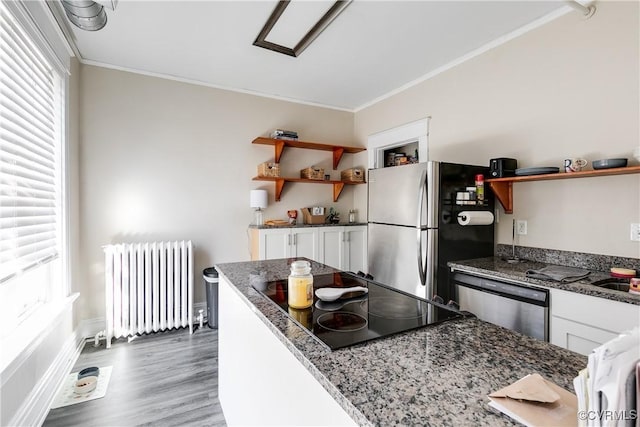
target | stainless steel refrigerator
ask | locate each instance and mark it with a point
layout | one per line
(413, 228)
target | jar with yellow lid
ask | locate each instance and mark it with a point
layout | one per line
(300, 288)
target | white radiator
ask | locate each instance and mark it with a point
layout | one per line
(149, 288)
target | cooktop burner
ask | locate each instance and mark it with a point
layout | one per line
(342, 321)
(383, 311)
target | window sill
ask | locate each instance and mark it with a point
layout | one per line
(23, 341)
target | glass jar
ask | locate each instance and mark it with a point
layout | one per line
(352, 216)
(300, 289)
(303, 316)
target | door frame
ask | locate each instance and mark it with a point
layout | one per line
(397, 137)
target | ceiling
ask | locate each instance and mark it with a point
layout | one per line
(370, 50)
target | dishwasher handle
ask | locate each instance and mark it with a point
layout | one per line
(535, 296)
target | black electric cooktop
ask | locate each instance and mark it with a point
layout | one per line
(379, 313)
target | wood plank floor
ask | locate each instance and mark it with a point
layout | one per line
(168, 379)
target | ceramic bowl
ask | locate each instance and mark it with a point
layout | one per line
(609, 163)
(93, 371)
(85, 385)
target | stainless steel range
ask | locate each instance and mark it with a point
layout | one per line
(381, 312)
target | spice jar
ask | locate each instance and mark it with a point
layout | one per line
(352, 216)
(300, 289)
(480, 188)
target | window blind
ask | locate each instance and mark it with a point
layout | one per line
(30, 117)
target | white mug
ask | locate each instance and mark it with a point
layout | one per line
(574, 165)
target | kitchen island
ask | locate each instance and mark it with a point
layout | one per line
(437, 375)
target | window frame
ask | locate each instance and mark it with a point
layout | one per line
(37, 22)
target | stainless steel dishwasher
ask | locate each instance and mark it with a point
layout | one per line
(508, 304)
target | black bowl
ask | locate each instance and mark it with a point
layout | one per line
(93, 371)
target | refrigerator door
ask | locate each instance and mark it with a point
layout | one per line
(393, 258)
(395, 194)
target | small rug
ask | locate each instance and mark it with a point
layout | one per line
(66, 395)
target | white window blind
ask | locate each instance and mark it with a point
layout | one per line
(30, 136)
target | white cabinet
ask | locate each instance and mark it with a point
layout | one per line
(344, 248)
(341, 247)
(273, 243)
(581, 322)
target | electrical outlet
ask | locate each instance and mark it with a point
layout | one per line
(635, 232)
(521, 227)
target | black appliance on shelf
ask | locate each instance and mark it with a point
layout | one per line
(502, 167)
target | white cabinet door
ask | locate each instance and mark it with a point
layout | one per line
(304, 243)
(331, 248)
(344, 248)
(355, 251)
(274, 243)
(582, 322)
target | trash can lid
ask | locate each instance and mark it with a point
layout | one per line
(210, 272)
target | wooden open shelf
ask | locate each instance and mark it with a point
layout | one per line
(338, 186)
(503, 187)
(280, 144)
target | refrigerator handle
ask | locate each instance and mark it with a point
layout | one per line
(422, 191)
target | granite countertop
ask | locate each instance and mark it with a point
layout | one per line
(499, 268)
(341, 224)
(437, 375)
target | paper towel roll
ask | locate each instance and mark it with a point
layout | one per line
(475, 218)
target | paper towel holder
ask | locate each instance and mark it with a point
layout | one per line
(471, 218)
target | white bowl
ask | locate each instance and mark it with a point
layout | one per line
(85, 385)
(636, 153)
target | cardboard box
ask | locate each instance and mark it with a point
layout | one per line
(308, 218)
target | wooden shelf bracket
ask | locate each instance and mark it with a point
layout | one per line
(504, 193)
(337, 156)
(337, 189)
(279, 148)
(279, 188)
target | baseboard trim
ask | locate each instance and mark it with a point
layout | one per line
(35, 408)
(90, 327)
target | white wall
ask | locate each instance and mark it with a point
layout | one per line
(568, 88)
(162, 159)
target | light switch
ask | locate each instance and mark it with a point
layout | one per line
(635, 232)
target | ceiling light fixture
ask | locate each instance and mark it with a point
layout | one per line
(87, 14)
(308, 38)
